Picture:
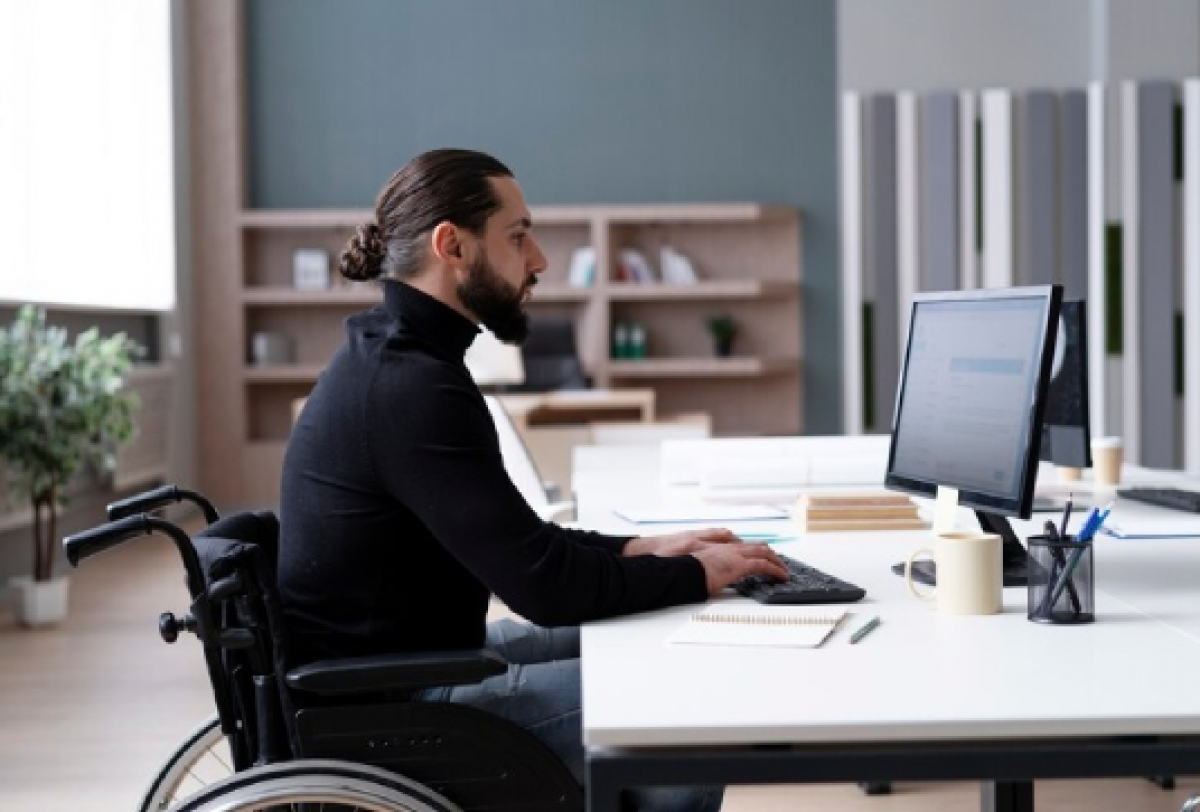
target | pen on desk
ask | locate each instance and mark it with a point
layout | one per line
(1066, 515)
(864, 630)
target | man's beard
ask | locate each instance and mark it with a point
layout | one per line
(495, 302)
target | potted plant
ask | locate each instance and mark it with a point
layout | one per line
(61, 405)
(723, 330)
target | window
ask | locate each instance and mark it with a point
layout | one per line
(87, 200)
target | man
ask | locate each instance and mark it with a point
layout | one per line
(398, 519)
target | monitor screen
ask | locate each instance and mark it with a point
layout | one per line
(970, 398)
(1065, 430)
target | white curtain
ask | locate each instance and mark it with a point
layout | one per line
(87, 209)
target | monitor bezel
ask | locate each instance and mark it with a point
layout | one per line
(1022, 505)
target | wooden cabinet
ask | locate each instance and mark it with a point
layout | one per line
(747, 258)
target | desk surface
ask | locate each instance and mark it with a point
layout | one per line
(921, 676)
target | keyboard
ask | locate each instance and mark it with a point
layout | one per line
(806, 585)
(1175, 498)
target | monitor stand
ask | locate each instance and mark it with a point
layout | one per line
(1013, 556)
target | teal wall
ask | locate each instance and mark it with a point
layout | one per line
(603, 101)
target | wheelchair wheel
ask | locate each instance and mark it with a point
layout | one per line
(203, 758)
(316, 784)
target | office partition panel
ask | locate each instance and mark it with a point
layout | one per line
(1147, 112)
(1191, 273)
(998, 193)
(939, 173)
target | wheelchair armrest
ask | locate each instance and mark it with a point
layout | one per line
(391, 672)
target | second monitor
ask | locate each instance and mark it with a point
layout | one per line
(970, 403)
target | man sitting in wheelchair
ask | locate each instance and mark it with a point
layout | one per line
(398, 521)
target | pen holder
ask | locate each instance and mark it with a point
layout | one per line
(1061, 580)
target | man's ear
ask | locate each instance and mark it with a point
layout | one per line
(447, 243)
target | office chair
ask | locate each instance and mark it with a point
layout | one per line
(550, 357)
(338, 731)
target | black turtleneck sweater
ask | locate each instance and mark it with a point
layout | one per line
(398, 518)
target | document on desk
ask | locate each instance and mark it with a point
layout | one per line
(741, 625)
(1153, 527)
(686, 514)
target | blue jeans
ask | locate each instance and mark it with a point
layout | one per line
(541, 693)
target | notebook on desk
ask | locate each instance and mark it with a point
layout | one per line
(742, 625)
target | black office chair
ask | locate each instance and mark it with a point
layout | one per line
(336, 731)
(550, 357)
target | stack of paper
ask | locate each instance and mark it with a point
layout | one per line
(841, 512)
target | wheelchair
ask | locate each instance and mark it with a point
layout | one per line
(344, 733)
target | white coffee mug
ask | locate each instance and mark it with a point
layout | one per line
(970, 573)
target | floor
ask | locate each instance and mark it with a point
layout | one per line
(89, 710)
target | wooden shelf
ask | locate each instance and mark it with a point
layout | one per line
(542, 215)
(700, 367)
(304, 218)
(369, 295)
(283, 373)
(267, 296)
(714, 289)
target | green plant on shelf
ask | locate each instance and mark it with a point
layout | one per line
(723, 330)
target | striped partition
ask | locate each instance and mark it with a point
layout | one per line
(997, 188)
(880, 266)
(1097, 221)
(939, 173)
(852, 262)
(996, 115)
(1072, 179)
(1150, 272)
(1036, 192)
(1191, 273)
(968, 167)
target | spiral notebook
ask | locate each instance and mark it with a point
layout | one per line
(742, 625)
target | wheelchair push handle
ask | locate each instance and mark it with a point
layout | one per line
(88, 543)
(157, 498)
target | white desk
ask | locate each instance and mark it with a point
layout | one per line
(925, 697)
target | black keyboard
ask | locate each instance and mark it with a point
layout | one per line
(806, 585)
(1175, 498)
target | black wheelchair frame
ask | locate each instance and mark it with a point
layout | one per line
(333, 717)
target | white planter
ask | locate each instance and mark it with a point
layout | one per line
(39, 603)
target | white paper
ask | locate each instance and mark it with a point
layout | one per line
(1154, 527)
(688, 514)
(742, 625)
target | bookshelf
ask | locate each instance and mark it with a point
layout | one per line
(747, 257)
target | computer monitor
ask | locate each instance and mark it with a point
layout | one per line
(1066, 435)
(970, 402)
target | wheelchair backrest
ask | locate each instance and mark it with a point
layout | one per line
(238, 555)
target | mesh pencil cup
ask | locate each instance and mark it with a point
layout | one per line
(1062, 585)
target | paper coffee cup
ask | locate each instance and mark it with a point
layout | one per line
(1107, 456)
(1069, 474)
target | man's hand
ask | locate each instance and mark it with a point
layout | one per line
(726, 563)
(684, 543)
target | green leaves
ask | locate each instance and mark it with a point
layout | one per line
(61, 404)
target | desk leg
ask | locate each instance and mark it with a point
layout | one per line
(602, 787)
(1006, 796)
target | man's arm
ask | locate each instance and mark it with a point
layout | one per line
(439, 456)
